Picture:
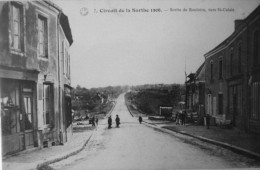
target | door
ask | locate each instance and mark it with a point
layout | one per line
(68, 111)
(234, 106)
(235, 103)
(209, 110)
(27, 133)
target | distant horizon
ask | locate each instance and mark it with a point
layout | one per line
(135, 48)
(130, 85)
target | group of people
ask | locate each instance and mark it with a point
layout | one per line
(109, 121)
(180, 118)
(94, 121)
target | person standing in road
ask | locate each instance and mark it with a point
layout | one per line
(183, 117)
(207, 120)
(93, 122)
(117, 121)
(140, 119)
(177, 119)
(109, 122)
(96, 121)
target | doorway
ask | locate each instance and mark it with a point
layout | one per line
(26, 119)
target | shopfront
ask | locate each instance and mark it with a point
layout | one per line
(68, 114)
(18, 115)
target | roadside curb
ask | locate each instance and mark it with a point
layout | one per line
(128, 107)
(233, 148)
(53, 160)
(129, 111)
(20, 153)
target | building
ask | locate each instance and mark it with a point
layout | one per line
(232, 71)
(195, 91)
(65, 41)
(33, 88)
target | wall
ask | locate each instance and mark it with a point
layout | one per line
(216, 86)
(27, 65)
(64, 81)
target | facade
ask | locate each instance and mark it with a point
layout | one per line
(30, 90)
(65, 41)
(233, 76)
(195, 91)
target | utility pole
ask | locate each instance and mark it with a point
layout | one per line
(186, 91)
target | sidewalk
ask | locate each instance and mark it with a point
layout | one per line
(34, 158)
(233, 139)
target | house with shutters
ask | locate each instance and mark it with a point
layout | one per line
(232, 76)
(35, 37)
(195, 91)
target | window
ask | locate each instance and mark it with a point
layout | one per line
(220, 68)
(10, 106)
(239, 57)
(255, 98)
(43, 37)
(66, 59)
(16, 26)
(209, 100)
(28, 111)
(220, 104)
(68, 64)
(256, 47)
(231, 61)
(211, 71)
(47, 103)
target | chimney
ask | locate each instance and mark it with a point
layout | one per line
(238, 22)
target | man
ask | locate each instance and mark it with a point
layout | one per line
(117, 121)
(140, 119)
(207, 120)
(96, 121)
(109, 122)
(93, 121)
(183, 117)
(177, 119)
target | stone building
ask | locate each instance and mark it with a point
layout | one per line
(65, 41)
(32, 84)
(233, 76)
(195, 91)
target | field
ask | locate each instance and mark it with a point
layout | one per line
(149, 102)
(100, 111)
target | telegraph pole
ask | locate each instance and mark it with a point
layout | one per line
(186, 91)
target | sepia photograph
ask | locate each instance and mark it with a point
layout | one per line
(129, 84)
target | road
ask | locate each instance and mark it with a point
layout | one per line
(136, 146)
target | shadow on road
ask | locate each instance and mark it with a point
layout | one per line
(79, 129)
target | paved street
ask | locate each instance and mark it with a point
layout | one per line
(136, 146)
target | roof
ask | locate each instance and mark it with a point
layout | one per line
(64, 22)
(200, 73)
(53, 5)
(191, 75)
(241, 27)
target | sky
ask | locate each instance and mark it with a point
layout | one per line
(139, 47)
